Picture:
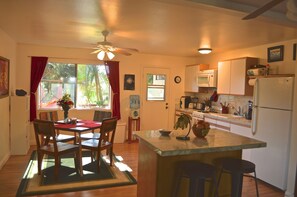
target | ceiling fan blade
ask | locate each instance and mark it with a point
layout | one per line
(129, 49)
(263, 9)
(96, 51)
(120, 51)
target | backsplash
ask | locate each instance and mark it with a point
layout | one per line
(234, 101)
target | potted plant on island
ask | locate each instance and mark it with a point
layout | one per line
(182, 122)
(200, 128)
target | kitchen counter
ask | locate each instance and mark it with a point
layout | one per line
(239, 120)
(158, 156)
(215, 141)
(224, 117)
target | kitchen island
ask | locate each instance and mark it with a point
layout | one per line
(158, 156)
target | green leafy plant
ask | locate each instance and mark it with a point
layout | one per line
(183, 121)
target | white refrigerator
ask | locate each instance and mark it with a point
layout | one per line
(271, 122)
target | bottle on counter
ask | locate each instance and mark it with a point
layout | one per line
(250, 110)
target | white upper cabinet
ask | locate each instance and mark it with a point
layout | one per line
(224, 77)
(191, 78)
(232, 78)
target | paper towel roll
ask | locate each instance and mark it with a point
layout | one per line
(252, 82)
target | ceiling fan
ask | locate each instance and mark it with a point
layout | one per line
(262, 9)
(106, 48)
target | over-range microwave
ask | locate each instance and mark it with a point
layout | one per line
(207, 78)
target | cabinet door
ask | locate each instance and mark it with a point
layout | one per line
(191, 84)
(238, 76)
(224, 77)
(246, 132)
(222, 125)
(212, 122)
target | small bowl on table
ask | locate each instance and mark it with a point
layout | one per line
(164, 132)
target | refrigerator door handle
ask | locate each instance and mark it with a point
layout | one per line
(254, 120)
(256, 88)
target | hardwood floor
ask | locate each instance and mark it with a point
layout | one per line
(11, 174)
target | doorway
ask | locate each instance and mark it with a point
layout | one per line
(155, 91)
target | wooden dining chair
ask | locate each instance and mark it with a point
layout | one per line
(53, 147)
(105, 142)
(99, 116)
(53, 116)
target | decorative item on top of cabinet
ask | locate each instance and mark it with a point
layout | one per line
(232, 78)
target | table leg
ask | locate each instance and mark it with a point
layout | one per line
(80, 155)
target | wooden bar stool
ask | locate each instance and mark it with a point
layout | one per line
(197, 173)
(237, 168)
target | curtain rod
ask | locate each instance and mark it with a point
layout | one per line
(65, 58)
(74, 58)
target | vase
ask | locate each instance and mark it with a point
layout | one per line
(66, 110)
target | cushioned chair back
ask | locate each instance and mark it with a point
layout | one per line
(49, 115)
(100, 115)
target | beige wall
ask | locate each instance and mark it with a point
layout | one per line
(7, 50)
(282, 67)
(128, 65)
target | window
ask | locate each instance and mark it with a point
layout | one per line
(155, 87)
(88, 85)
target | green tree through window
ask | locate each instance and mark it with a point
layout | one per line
(88, 85)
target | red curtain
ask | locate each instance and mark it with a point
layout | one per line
(113, 73)
(37, 68)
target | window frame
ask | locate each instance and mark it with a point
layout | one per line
(108, 108)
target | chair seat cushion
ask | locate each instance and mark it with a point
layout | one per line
(63, 138)
(61, 147)
(90, 136)
(93, 143)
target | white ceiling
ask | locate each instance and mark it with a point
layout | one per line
(169, 27)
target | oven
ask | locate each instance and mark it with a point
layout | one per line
(196, 116)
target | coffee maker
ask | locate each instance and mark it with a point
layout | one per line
(184, 102)
(194, 100)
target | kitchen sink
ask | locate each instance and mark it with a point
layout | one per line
(236, 116)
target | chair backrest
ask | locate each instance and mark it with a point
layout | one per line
(107, 130)
(49, 115)
(100, 115)
(44, 128)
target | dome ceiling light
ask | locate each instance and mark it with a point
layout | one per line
(204, 50)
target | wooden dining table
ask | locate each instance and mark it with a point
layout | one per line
(77, 128)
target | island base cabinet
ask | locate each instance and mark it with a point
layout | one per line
(156, 174)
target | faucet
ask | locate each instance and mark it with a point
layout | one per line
(238, 111)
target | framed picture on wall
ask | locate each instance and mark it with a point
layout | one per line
(4, 77)
(129, 82)
(275, 53)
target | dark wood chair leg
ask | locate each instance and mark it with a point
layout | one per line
(110, 156)
(39, 162)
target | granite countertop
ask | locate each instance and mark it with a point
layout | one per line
(230, 118)
(215, 141)
(224, 117)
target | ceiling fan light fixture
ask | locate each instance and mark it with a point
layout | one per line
(101, 55)
(204, 50)
(110, 55)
